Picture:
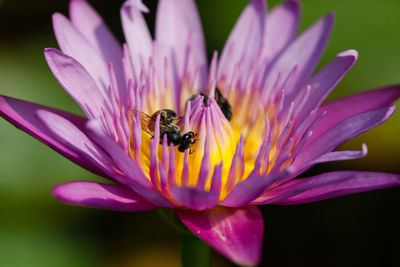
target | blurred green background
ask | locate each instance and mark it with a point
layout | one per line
(38, 230)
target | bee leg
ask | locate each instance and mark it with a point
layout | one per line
(191, 151)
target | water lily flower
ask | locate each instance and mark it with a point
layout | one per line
(279, 126)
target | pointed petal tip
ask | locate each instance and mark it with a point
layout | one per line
(138, 4)
(57, 17)
(349, 53)
(296, 6)
(73, 2)
(327, 21)
(259, 4)
(49, 51)
(293, 4)
(330, 17)
(364, 149)
(58, 20)
(390, 111)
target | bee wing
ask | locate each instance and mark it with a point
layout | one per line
(145, 120)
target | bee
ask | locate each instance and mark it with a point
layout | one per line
(222, 102)
(172, 131)
(167, 117)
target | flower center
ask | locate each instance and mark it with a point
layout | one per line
(253, 142)
(259, 139)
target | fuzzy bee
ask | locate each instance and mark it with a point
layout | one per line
(172, 131)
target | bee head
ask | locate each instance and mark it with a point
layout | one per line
(188, 135)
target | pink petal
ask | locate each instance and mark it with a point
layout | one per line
(326, 79)
(304, 53)
(76, 81)
(89, 23)
(244, 42)
(73, 44)
(136, 33)
(355, 183)
(104, 196)
(236, 233)
(73, 137)
(178, 28)
(23, 115)
(280, 28)
(339, 110)
(342, 132)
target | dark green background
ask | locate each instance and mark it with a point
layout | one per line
(38, 230)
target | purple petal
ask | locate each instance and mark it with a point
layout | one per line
(346, 107)
(297, 186)
(244, 42)
(125, 163)
(76, 81)
(73, 44)
(342, 155)
(251, 188)
(23, 115)
(73, 137)
(355, 183)
(89, 23)
(326, 79)
(104, 196)
(280, 28)
(136, 33)
(304, 53)
(178, 28)
(134, 175)
(342, 132)
(195, 198)
(236, 233)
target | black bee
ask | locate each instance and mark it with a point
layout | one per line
(223, 104)
(221, 101)
(172, 131)
(186, 142)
